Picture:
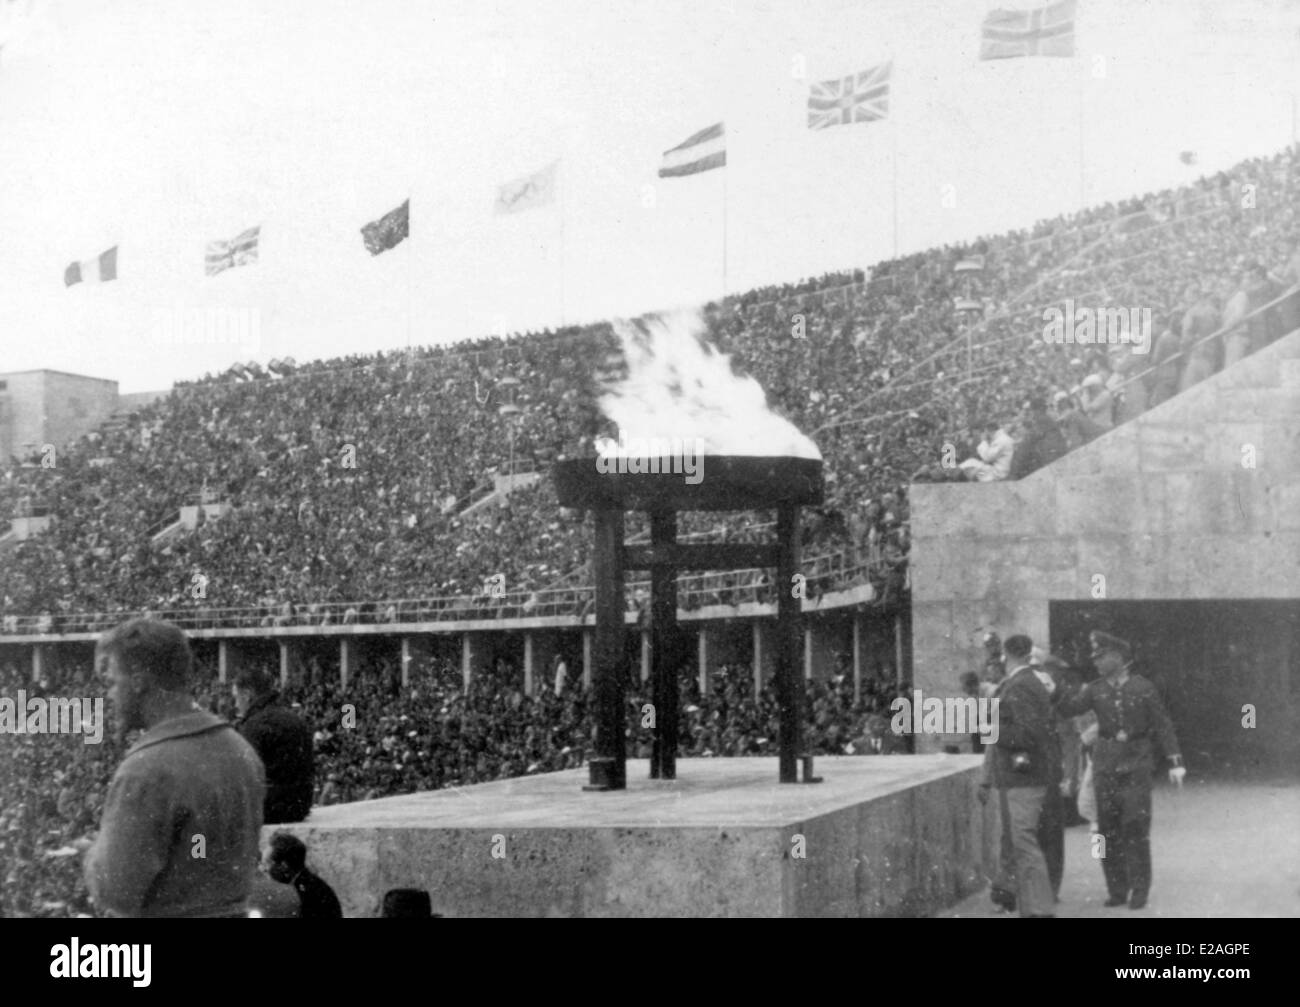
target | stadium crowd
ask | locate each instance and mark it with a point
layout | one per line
(393, 740)
(347, 480)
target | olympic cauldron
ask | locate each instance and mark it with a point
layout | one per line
(652, 484)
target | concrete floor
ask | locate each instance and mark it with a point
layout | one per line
(1218, 849)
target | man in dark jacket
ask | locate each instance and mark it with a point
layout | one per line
(1042, 442)
(283, 740)
(287, 864)
(1025, 763)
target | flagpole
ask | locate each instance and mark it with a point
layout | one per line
(724, 232)
(1083, 185)
(559, 182)
(410, 254)
(894, 137)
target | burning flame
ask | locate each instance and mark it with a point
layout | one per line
(679, 389)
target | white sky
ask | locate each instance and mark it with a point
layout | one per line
(160, 124)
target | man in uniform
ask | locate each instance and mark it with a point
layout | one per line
(1130, 716)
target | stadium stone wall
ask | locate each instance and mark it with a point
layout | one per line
(1164, 508)
(51, 407)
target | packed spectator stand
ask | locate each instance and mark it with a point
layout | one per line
(347, 478)
(899, 375)
(400, 740)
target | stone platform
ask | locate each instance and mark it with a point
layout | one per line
(894, 835)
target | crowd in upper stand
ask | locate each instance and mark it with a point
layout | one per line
(347, 478)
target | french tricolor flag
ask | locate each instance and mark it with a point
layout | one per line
(100, 269)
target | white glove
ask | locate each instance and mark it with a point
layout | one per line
(1176, 775)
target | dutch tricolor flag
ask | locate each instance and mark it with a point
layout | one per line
(705, 150)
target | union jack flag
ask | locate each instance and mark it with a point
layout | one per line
(240, 250)
(1045, 31)
(862, 97)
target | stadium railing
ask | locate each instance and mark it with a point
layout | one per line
(824, 573)
(1280, 315)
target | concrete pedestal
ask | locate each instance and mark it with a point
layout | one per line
(882, 836)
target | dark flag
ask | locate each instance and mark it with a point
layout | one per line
(391, 229)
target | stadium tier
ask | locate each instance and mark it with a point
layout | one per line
(362, 490)
(350, 483)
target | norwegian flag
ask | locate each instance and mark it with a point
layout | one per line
(862, 97)
(1044, 31)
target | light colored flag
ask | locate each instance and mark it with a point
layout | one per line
(240, 250)
(705, 150)
(537, 189)
(860, 97)
(1044, 31)
(100, 269)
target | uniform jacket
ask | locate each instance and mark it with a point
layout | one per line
(1026, 727)
(283, 740)
(1133, 708)
(191, 776)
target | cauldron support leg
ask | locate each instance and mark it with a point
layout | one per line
(608, 769)
(665, 652)
(789, 620)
